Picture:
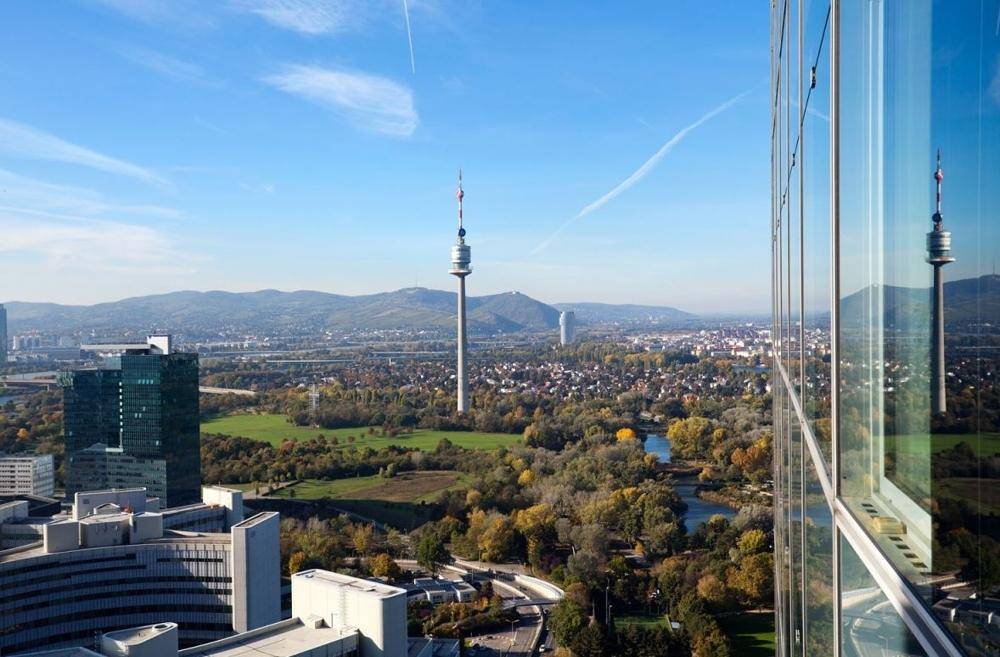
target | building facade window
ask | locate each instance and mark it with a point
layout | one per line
(885, 231)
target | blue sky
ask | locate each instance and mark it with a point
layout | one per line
(612, 152)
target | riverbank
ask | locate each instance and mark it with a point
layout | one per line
(736, 496)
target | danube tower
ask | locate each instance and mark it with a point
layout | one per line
(938, 255)
(461, 256)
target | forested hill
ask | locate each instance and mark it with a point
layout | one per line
(300, 311)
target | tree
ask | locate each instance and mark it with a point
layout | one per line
(754, 578)
(567, 619)
(295, 562)
(712, 590)
(592, 641)
(431, 552)
(691, 437)
(625, 433)
(382, 565)
(499, 542)
(752, 542)
(363, 539)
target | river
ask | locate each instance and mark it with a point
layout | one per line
(698, 510)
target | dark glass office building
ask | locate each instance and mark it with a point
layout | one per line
(134, 422)
(885, 234)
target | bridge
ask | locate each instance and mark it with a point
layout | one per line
(48, 380)
(212, 390)
(513, 603)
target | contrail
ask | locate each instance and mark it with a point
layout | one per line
(641, 172)
(409, 37)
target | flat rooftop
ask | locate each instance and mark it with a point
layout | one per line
(135, 635)
(283, 639)
(63, 652)
(256, 519)
(337, 580)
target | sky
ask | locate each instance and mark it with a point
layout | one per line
(611, 152)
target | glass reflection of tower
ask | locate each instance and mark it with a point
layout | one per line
(938, 255)
(887, 520)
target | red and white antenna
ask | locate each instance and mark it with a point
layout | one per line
(460, 194)
(938, 176)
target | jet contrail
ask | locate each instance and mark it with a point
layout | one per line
(409, 37)
(641, 172)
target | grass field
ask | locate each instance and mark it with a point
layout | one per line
(983, 444)
(751, 635)
(647, 622)
(414, 487)
(276, 428)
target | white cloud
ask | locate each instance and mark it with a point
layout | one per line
(39, 196)
(184, 13)
(306, 16)
(24, 141)
(90, 245)
(369, 101)
(164, 64)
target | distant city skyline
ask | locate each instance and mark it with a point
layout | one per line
(152, 146)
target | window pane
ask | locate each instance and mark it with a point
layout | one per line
(815, 162)
(818, 568)
(920, 304)
(869, 623)
(885, 179)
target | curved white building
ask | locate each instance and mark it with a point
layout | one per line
(114, 563)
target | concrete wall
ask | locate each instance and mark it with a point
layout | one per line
(61, 536)
(13, 511)
(227, 497)
(256, 567)
(145, 526)
(86, 501)
(377, 610)
(159, 640)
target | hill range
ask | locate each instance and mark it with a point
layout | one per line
(303, 311)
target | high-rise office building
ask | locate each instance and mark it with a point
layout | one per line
(887, 456)
(3, 334)
(27, 474)
(567, 327)
(134, 422)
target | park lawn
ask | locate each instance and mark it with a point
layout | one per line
(983, 444)
(644, 621)
(275, 429)
(751, 635)
(412, 487)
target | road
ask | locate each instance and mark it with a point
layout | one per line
(497, 643)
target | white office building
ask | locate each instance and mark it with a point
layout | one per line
(332, 616)
(119, 561)
(27, 474)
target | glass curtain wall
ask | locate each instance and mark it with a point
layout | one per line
(885, 235)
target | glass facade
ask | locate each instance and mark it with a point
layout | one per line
(135, 423)
(885, 234)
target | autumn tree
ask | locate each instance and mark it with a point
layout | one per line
(382, 565)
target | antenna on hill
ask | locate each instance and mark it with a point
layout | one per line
(313, 402)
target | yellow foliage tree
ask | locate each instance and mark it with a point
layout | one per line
(526, 478)
(625, 433)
